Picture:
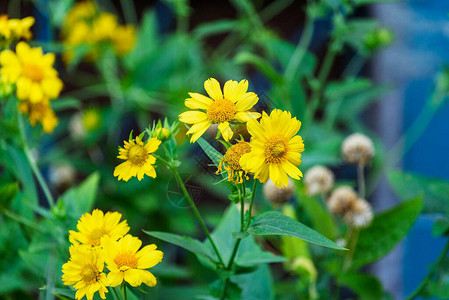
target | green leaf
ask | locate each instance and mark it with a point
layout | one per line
(366, 286)
(65, 103)
(80, 199)
(7, 193)
(365, 2)
(441, 226)
(211, 152)
(275, 223)
(260, 63)
(385, 232)
(185, 242)
(434, 191)
(257, 285)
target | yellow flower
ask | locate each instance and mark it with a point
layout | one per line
(91, 119)
(32, 71)
(220, 109)
(230, 161)
(104, 27)
(126, 262)
(92, 227)
(84, 271)
(124, 39)
(40, 112)
(275, 149)
(16, 28)
(21, 27)
(139, 160)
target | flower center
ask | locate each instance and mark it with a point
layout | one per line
(137, 155)
(89, 273)
(126, 260)
(96, 234)
(221, 111)
(234, 153)
(34, 72)
(275, 150)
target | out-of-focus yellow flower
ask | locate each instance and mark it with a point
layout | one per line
(84, 271)
(124, 39)
(15, 28)
(221, 108)
(231, 161)
(104, 27)
(32, 71)
(81, 11)
(40, 112)
(126, 262)
(139, 160)
(92, 227)
(275, 148)
(91, 119)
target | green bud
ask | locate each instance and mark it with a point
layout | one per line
(162, 134)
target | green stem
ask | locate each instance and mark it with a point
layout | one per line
(253, 195)
(423, 284)
(32, 162)
(352, 244)
(196, 213)
(123, 291)
(115, 293)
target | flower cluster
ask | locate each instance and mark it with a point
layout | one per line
(86, 25)
(14, 29)
(31, 72)
(274, 150)
(102, 239)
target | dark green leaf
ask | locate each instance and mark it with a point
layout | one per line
(385, 232)
(185, 242)
(7, 194)
(257, 285)
(366, 286)
(275, 223)
(434, 191)
(79, 200)
(213, 28)
(260, 63)
(211, 152)
(441, 226)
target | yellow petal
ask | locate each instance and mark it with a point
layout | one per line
(246, 102)
(245, 116)
(148, 257)
(115, 278)
(198, 130)
(192, 116)
(199, 100)
(212, 87)
(237, 90)
(133, 277)
(148, 279)
(291, 170)
(225, 130)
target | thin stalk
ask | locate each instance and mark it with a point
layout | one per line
(301, 49)
(322, 78)
(115, 293)
(361, 180)
(18, 218)
(352, 244)
(274, 9)
(32, 162)
(243, 228)
(196, 213)
(423, 284)
(129, 11)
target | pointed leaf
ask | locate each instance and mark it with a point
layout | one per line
(275, 223)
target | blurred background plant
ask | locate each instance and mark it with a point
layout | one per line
(126, 65)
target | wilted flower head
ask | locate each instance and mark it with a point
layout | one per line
(342, 200)
(278, 196)
(318, 180)
(357, 149)
(230, 161)
(360, 215)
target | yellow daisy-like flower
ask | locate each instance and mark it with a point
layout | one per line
(275, 148)
(221, 108)
(231, 161)
(124, 39)
(126, 262)
(32, 71)
(139, 160)
(92, 227)
(40, 112)
(84, 271)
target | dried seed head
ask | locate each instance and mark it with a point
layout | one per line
(278, 196)
(342, 200)
(357, 149)
(318, 180)
(361, 214)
